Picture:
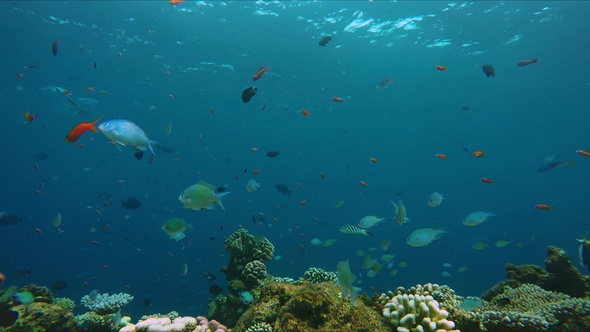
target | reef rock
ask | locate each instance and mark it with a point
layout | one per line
(310, 307)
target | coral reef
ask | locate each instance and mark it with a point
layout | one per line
(253, 273)
(105, 304)
(316, 275)
(178, 324)
(416, 309)
(65, 303)
(259, 327)
(559, 276)
(91, 321)
(245, 248)
(309, 307)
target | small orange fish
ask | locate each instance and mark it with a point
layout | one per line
(107, 203)
(29, 117)
(305, 112)
(259, 73)
(527, 62)
(256, 172)
(477, 154)
(373, 160)
(254, 149)
(322, 175)
(544, 207)
(441, 156)
(583, 153)
(337, 99)
(95, 242)
(486, 180)
(303, 202)
(167, 73)
(38, 231)
(275, 220)
(442, 68)
(171, 96)
(80, 129)
(364, 184)
(175, 2)
(91, 89)
(67, 92)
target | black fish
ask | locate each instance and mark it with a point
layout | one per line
(8, 318)
(95, 65)
(131, 203)
(165, 148)
(220, 189)
(11, 220)
(488, 70)
(548, 167)
(38, 156)
(325, 40)
(147, 303)
(54, 47)
(215, 290)
(24, 271)
(503, 301)
(284, 189)
(465, 108)
(210, 276)
(139, 155)
(59, 285)
(272, 154)
(248, 94)
(212, 238)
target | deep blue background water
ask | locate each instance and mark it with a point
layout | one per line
(211, 51)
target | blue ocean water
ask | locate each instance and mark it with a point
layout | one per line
(203, 54)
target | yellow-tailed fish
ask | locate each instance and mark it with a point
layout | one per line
(252, 185)
(476, 218)
(338, 203)
(502, 243)
(57, 220)
(329, 242)
(435, 199)
(400, 213)
(201, 196)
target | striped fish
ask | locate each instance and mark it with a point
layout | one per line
(353, 230)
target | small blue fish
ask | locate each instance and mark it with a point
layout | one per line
(548, 167)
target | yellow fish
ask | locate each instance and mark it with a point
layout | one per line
(400, 213)
(201, 196)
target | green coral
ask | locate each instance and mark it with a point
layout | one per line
(172, 315)
(65, 303)
(260, 327)
(245, 248)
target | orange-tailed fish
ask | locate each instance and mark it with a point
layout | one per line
(259, 73)
(527, 62)
(29, 117)
(80, 129)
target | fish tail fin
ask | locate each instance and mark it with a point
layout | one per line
(218, 198)
(150, 143)
(93, 124)
(289, 192)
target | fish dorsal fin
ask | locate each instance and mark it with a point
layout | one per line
(205, 184)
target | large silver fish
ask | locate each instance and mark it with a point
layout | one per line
(125, 132)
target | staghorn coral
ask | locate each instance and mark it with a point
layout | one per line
(91, 321)
(105, 304)
(316, 275)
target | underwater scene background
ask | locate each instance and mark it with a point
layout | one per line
(155, 64)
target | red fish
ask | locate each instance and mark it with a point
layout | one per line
(486, 180)
(442, 68)
(80, 129)
(477, 154)
(67, 92)
(583, 153)
(29, 117)
(260, 72)
(54, 47)
(442, 156)
(305, 112)
(527, 62)
(337, 99)
(175, 2)
(544, 207)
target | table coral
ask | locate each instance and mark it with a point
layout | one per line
(105, 304)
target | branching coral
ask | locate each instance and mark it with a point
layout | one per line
(104, 304)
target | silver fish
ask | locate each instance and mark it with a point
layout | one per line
(125, 132)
